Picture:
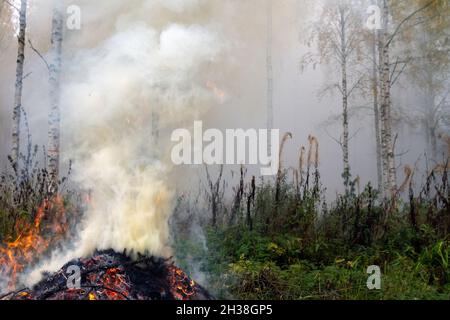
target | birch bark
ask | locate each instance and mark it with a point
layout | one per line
(387, 145)
(376, 111)
(54, 118)
(345, 125)
(17, 111)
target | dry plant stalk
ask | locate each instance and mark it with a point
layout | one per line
(409, 172)
(286, 136)
(215, 194)
(301, 164)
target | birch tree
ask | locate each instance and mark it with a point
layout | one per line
(17, 110)
(388, 35)
(339, 37)
(376, 109)
(387, 146)
(54, 117)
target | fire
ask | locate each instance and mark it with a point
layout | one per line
(109, 275)
(110, 285)
(219, 93)
(116, 281)
(29, 244)
(182, 288)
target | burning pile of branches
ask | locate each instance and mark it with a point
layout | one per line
(113, 276)
(29, 243)
(106, 275)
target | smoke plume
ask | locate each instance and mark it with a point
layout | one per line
(114, 85)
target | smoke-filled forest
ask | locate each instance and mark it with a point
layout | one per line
(222, 149)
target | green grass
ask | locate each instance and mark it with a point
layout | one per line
(304, 248)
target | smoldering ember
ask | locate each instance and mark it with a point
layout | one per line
(221, 149)
(112, 276)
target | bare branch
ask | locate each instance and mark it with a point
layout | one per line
(339, 142)
(395, 67)
(354, 135)
(27, 75)
(410, 16)
(11, 5)
(39, 54)
(356, 85)
(399, 74)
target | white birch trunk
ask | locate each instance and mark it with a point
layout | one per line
(345, 125)
(390, 185)
(19, 86)
(376, 112)
(55, 112)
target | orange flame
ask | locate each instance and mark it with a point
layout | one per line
(219, 93)
(30, 244)
(112, 285)
(116, 281)
(182, 288)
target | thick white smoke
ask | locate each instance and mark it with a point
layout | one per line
(111, 113)
(110, 93)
